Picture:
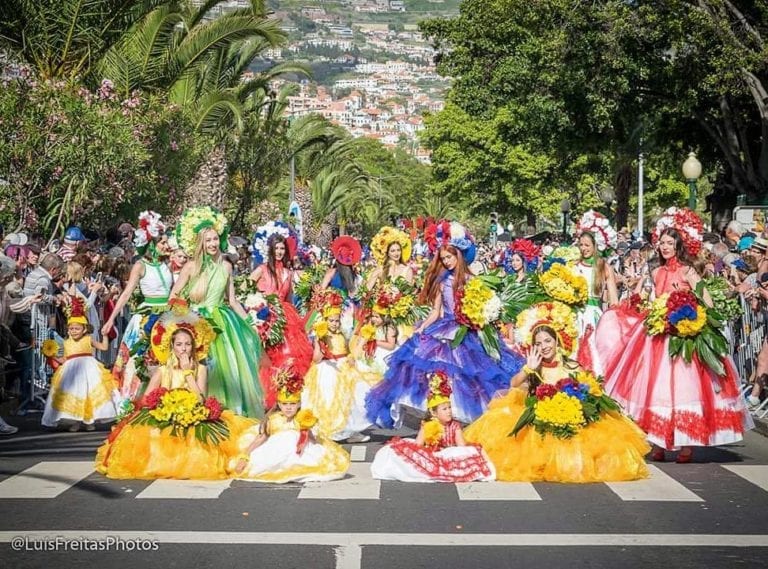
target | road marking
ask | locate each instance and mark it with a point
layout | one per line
(756, 474)
(45, 479)
(360, 486)
(660, 487)
(357, 453)
(185, 489)
(408, 539)
(497, 491)
(349, 557)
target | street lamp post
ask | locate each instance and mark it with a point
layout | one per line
(565, 207)
(692, 172)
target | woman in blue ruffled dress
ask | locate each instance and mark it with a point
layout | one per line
(475, 375)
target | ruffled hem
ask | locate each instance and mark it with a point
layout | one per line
(676, 403)
(475, 376)
(454, 464)
(611, 449)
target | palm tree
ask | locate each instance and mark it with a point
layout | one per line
(202, 64)
(66, 39)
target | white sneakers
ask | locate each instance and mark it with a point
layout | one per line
(6, 429)
(359, 438)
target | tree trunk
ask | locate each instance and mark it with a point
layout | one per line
(623, 185)
(209, 186)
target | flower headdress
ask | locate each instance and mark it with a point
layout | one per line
(558, 316)
(446, 232)
(600, 228)
(150, 228)
(196, 219)
(168, 323)
(346, 250)
(686, 223)
(527, 249)
(439, 389)
(76, 311)
(263, 237)
(288, 384)
(384, 238)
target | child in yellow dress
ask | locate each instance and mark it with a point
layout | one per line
(83, 391)
(285, 448)
(162, 438)
(326, 392)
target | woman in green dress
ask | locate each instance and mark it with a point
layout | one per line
(205, 285)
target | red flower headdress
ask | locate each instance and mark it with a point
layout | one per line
(686, 223)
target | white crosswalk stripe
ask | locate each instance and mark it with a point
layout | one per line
(497, 491)
(756, 474)
(184, 489)
(45, 479)
(50, 479)
(358, 485)
(357, 453)
(660, 487)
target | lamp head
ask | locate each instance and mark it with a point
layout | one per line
(692, 167)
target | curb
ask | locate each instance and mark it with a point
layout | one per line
(761, 426)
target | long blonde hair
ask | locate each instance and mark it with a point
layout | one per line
(200, 284)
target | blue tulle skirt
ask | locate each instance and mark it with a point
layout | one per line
(475, 376)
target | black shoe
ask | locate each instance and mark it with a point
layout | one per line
(22, 347)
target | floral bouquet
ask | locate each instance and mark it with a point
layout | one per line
(266, 315)
(561, 283)
(726, 305)
(694, 329)
(433, 433)
(368, 334)
(563, 409)
(478, 307)
(309, 279)
(143, 358)
(181, 410)
(396, 300)
(50, 350)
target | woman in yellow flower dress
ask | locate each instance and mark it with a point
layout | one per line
(439, 453)
(391, 248)
(609, 449)
(286, 447)
(144, 451)
(83, 391)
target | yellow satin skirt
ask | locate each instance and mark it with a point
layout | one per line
(145, 452)
(609, 450)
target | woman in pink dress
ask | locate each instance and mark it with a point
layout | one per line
(276, 277)
(678, 404)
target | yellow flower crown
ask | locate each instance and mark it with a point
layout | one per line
(384, 238)
(439, 390)
(196, 219)
(329, 311)
(558, 316)
(289, 385)
(164, 329)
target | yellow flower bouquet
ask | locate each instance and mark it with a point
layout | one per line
(477, 308)
(433, 433)
(565, 408)
(181, 410)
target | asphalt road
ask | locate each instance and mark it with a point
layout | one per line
(57, 512)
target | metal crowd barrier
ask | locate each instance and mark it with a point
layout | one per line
(39, 382)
